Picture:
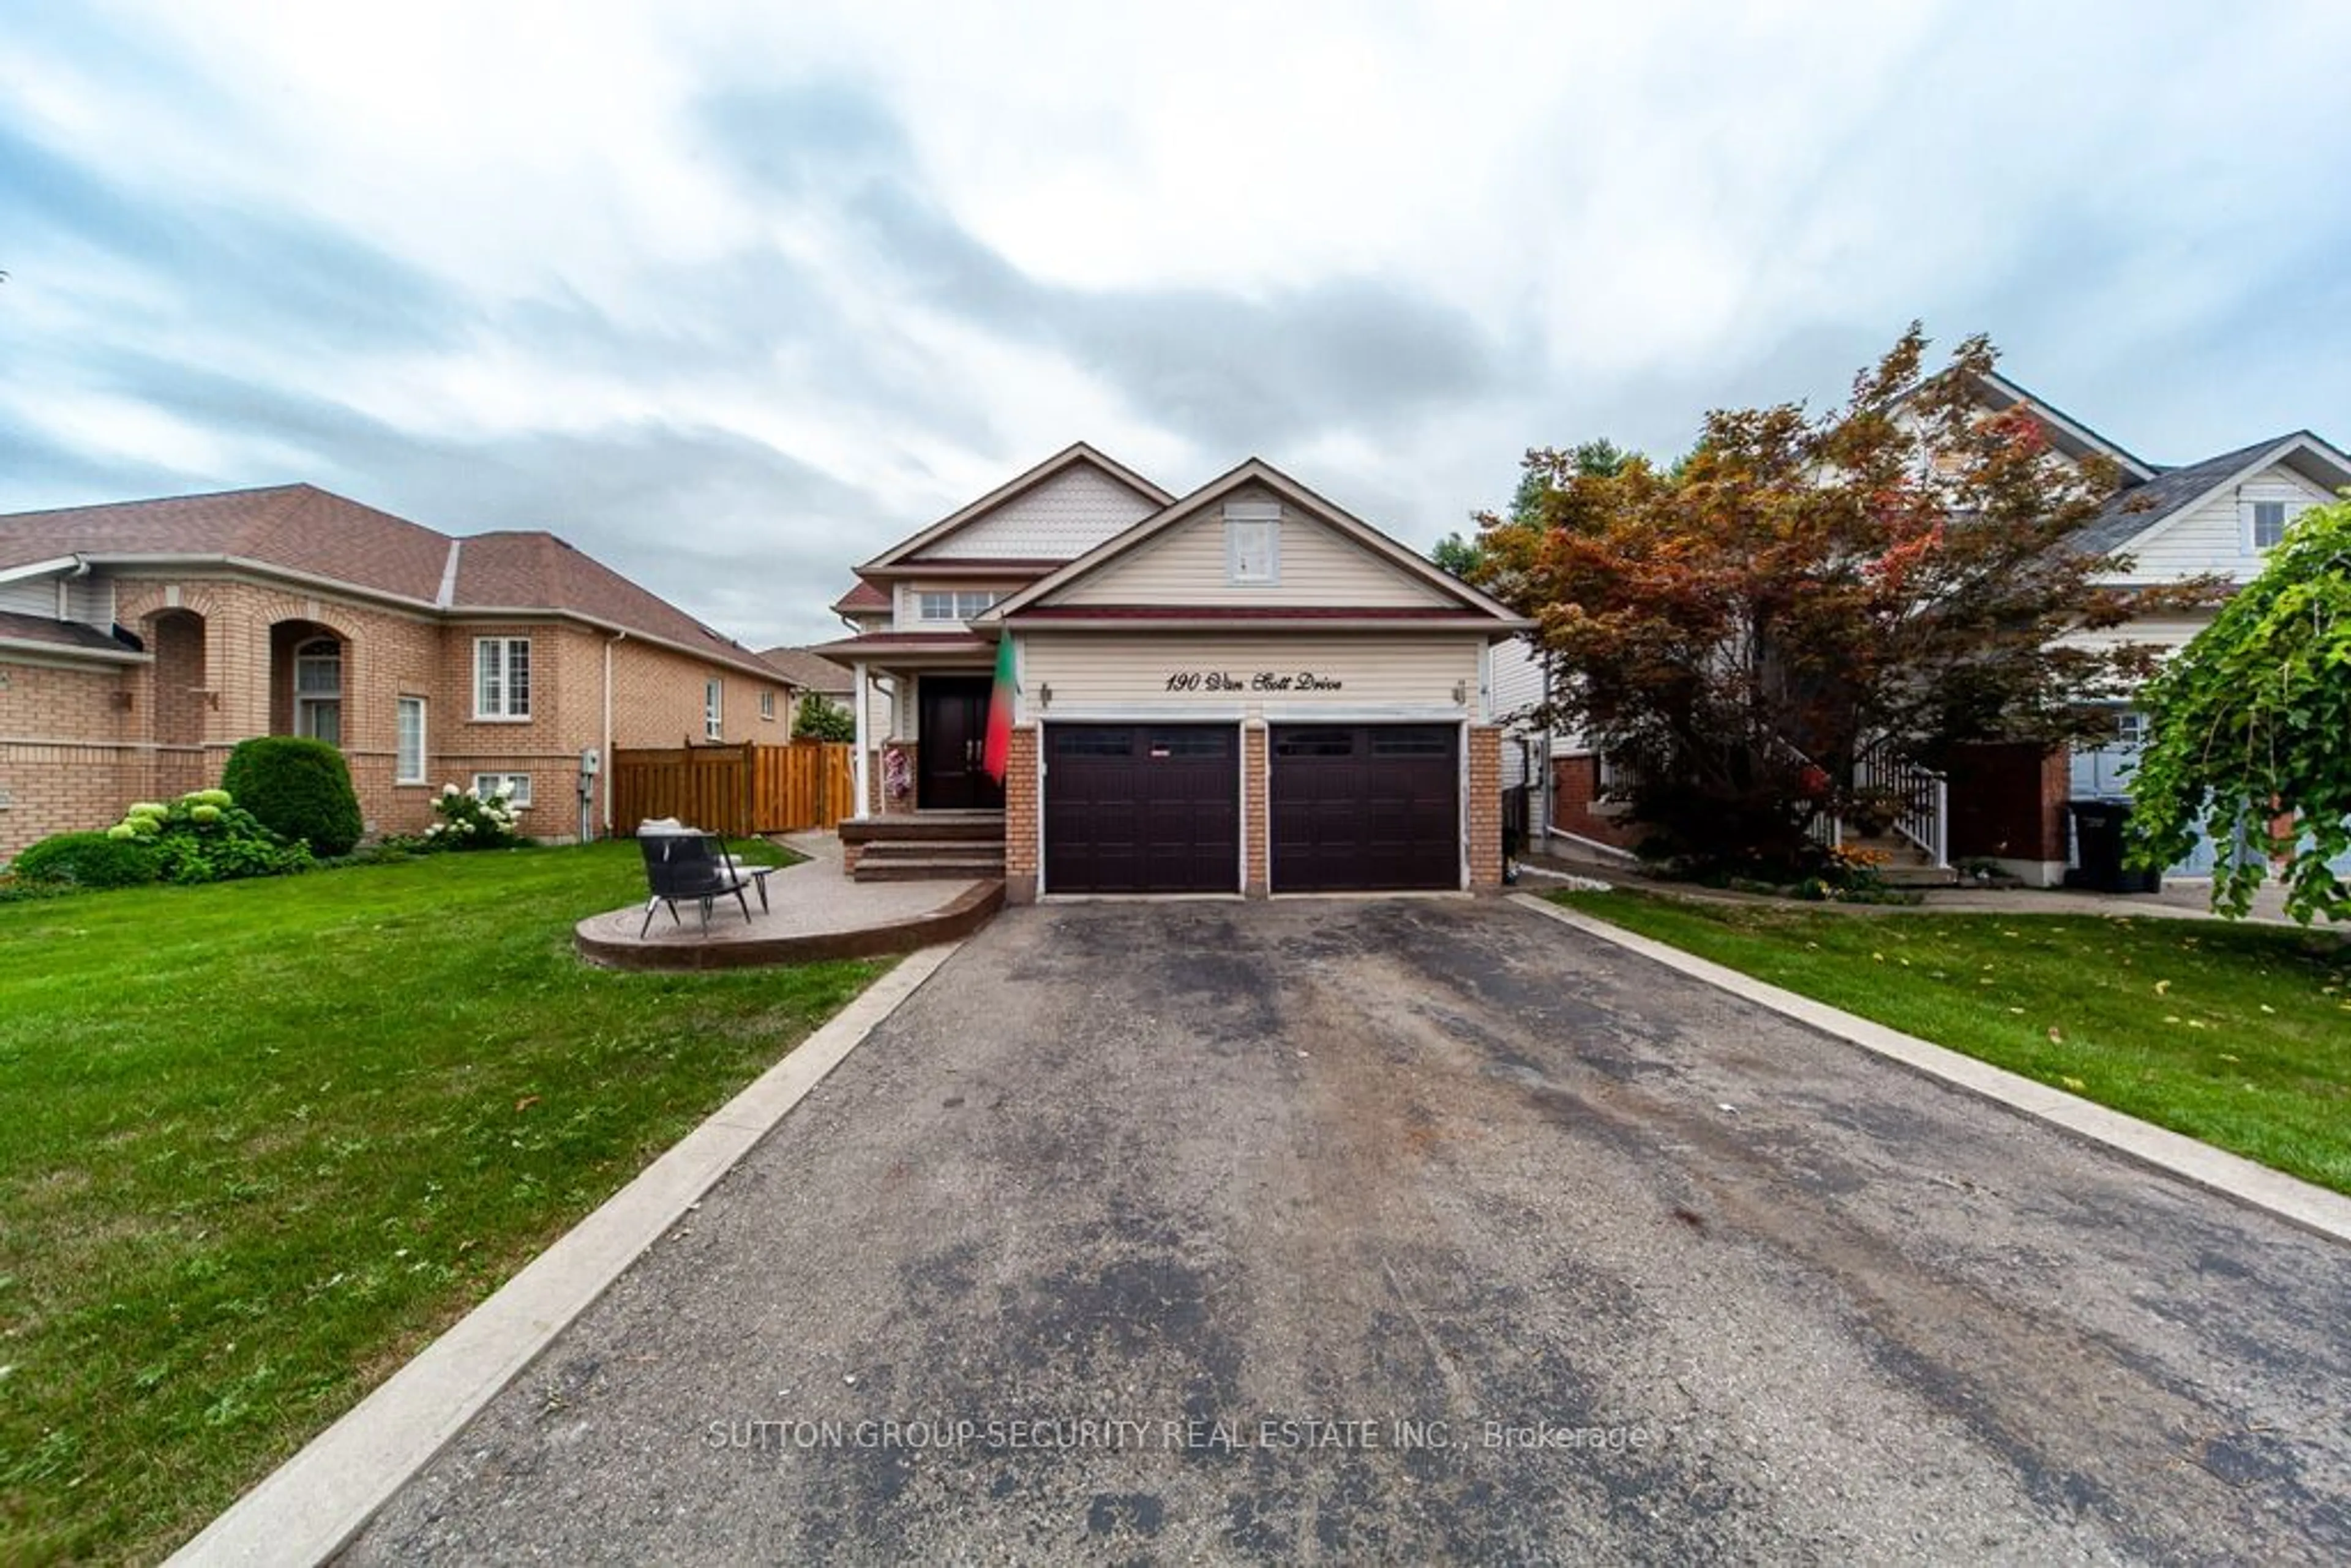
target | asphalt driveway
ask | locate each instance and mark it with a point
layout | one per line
(1409, 1230)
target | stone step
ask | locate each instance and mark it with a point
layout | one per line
(1918, 876)
(963, 868)
(932, 849)
(961, 827)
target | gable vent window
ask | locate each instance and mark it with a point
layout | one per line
(2264, 510)
(1252, 542)
(2269, 523)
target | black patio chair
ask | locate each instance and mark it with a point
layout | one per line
(687, 866)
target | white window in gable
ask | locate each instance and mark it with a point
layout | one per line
(2264, 510)
(501, 677)
(962, 604)
(767, 705)
(1252, 542)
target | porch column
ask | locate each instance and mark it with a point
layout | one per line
(862, 694)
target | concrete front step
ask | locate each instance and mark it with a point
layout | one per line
(930, 848)
(935, 827)
(1918, 876)
(936, 868)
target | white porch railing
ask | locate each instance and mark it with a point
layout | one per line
(1922, 800)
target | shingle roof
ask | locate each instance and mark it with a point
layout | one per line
(302, 528)
(15, 628)
(297, 526)
(2131, 512)
(811, 672)
(864, 596)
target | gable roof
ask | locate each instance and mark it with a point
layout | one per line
(1073, 455)
(809, 671)
(2131, 513)
(2073, 437)
(302, 531)
(1256, 471)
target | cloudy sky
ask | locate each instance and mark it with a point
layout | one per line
(734, 296)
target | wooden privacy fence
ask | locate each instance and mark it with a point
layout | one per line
(737, 789)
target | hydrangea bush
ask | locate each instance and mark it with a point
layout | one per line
(472, 820)
(205, 836)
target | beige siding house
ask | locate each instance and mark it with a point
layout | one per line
(1244, 690)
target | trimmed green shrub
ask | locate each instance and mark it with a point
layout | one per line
(297, 788)
(88, 859)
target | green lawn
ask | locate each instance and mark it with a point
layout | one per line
(2238, 1035)
(259, 1141)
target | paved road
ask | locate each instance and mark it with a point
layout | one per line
(1528, 1250)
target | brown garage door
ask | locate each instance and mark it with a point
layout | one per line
(1137, 808)
(1364, 808)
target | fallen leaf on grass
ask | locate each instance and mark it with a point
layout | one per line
(2075, 1084)
(2055, 1038)
(2162, 988)
(525, 1103)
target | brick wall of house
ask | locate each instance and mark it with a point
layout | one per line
(1256, 875)
(79, 745)
(879, 801)
(2008, 803)
(1484, 807)
(1575, 785)
(1021, 847)
(68, 761)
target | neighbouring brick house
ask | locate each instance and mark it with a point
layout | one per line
(141, 640)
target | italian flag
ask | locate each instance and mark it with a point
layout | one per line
(999, 713)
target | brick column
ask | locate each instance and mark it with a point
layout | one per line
(1254, 783)
(1484, 807)
(1020, 846)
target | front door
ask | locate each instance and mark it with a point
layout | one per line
(950, 770)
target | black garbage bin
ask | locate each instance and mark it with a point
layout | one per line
(2098, 844)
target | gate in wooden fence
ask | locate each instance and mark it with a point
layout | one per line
(737, 789)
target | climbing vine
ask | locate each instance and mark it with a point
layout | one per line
(2250, 731)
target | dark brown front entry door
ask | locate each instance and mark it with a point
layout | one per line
(951, 771)
(1141, 808)
(1360, 807)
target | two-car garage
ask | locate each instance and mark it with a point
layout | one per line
(1156, 808)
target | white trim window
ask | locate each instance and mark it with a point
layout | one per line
(318, 690)
(408, 751)
(514, 786)
(942, 606)
(2263, 511)
(1252, 542)
(714, 708)
(767, 705)
(502, 678)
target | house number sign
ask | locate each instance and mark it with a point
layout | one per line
(1262, 681)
